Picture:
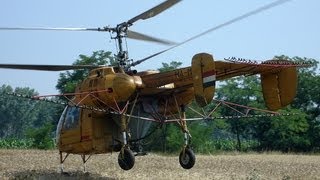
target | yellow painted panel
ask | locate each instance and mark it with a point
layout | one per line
(204, 78)
(288, 82)
(86, 124)
(279, 87)
(269, 83)
(70, 136)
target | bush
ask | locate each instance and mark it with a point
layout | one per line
(41, 137)
(12, 143)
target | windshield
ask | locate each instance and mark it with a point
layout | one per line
(71, 119)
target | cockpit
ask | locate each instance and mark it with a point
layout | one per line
(69, 120)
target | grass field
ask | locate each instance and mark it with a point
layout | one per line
(36, 164)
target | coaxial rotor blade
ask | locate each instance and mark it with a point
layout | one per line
(154, 11)
(54, 29)
(46, 67)
(239, 18)
(144, 37)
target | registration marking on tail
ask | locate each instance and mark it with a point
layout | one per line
(209, 78)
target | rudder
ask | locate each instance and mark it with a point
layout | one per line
(279, 88)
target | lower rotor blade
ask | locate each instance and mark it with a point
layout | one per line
(46, 67)
(143, 37)
(52, 29)
(239, 18)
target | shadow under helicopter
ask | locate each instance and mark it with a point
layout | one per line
(51, 174)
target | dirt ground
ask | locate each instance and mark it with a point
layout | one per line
(37, 164)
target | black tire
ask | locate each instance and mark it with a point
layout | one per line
(187, 158)
(126, 160)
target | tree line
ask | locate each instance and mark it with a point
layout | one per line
(33, 122)
(26, 123)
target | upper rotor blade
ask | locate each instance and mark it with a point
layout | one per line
(143, 37)
(239, 18)
(154, 11)
(46, 67)
(53, 29)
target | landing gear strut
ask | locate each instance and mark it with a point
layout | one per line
(62, 159)
(126, 158)
(187, 158)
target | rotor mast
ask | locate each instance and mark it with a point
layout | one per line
(122, 31)
(122, 55)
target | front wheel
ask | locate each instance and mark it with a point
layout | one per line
(187, 158)
(126, 159)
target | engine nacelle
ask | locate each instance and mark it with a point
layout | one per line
(109, 88)
(279, 88)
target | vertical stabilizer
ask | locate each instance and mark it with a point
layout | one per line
(279, 88)
(204, 78)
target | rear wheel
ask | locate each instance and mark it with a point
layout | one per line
(187, 158)
(126, 159)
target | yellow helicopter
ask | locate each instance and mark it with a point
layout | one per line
(113, 108)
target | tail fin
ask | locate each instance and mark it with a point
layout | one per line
(279, 88)
(204, 78)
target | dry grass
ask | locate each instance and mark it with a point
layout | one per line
(36, 164)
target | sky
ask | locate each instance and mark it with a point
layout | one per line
(291, 29)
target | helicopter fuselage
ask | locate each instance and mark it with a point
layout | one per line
(90, 131)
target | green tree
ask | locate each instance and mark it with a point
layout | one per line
(20, 115)
(308, 98)
(15, 114)
(171, 66)
(288, 133)
(42, 136)
(245, 91)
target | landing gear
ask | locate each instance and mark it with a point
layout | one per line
(126, 159)
(187, 158)
(62, 159)
(84, 160)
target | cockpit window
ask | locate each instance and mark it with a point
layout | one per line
(71, 118)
